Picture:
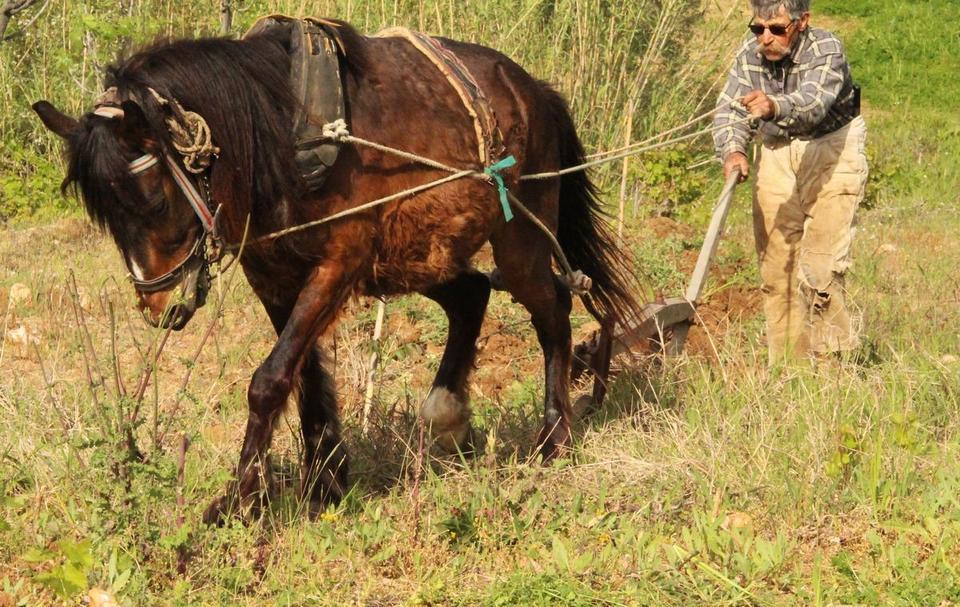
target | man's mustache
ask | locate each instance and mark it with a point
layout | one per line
(777, 48)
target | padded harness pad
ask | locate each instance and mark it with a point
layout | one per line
(314, 49)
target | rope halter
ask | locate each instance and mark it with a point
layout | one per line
(193, 141)
(190, 135)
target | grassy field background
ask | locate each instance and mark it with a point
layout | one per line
(710, 480)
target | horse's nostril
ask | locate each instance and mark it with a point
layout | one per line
(176, 317)
(149, 318)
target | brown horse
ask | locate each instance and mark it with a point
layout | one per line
(423, 243)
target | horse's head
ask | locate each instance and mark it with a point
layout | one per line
(132, 185)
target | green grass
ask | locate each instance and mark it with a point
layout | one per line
(711, 480)
(907, 73)
(900, 59)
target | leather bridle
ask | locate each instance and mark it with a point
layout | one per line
(208, 248)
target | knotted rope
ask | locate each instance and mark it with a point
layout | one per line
(189, 131)
(336, 131)
(494, 172)
(190, 135)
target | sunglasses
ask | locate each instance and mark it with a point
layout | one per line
(776, 30)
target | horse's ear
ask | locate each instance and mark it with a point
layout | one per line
(54, 119)
(135, 121)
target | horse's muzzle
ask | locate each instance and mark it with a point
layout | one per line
(192, 295)
(175, 317)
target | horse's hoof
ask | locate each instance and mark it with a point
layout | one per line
(328, 488)
(551, 453)
(326, 491)
(232, 504)
(554, 444)
(465, 441)
(447, 416)
(584, 406)
(468, 443)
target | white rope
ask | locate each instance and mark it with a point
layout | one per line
(339, 132)
(336, 130)
(633, 151)
(400, 153)
(364, 207)
(686, 124)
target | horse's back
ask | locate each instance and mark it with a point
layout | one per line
(410, 104)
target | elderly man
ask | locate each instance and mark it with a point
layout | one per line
(811, 173)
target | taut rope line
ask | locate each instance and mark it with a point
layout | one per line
(364, 207)
(690, 122)
(632, 151)
(578, 282)
(337, 131)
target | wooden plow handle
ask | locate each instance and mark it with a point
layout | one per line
(709, 248)
(704, 260)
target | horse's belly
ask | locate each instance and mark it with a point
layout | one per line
(431, 242)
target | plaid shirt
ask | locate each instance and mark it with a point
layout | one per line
(811, 89)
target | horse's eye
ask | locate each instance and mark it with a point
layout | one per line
(156, 201)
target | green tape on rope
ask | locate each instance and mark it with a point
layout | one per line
(494, 171)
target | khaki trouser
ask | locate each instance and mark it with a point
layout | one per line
(805, 198)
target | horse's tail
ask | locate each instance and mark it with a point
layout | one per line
(583, 230)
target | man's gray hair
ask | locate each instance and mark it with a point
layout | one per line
(768, 9)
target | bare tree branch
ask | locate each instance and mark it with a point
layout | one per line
(226, 17)
(11, 8)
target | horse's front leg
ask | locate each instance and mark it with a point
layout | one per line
(316, 307)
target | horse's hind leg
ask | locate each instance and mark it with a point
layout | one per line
(446, 410)
(324, 472)
(523, 256)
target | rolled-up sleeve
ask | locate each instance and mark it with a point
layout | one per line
(822, 82)
(730, 136)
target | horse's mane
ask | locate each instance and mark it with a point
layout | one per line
(242, 90)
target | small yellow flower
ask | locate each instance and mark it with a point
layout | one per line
(604, 538)
(329, 517)
(453, 535)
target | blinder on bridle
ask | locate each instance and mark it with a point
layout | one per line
(193, 272)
